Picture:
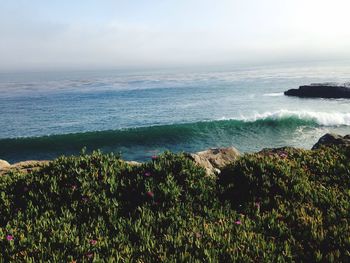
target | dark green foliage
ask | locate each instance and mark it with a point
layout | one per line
(278, 207)
(303, 196)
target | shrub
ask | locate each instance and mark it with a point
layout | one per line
(264, 207)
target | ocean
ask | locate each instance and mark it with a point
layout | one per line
(141, 114)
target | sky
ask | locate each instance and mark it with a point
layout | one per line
(107, 34)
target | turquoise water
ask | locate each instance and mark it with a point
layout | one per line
(142, 114)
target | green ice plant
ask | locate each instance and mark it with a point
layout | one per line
(285, 206)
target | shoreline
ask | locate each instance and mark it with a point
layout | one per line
(212, 159)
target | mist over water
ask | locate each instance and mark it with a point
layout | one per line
(141, 114)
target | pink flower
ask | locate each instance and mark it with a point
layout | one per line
(148, 174)
(93, 242)
(74, 187)
(238, 222)
(283, 155)
(89, 255)
(257, 205)
(154, 157)
(150, 194)
(10, 237)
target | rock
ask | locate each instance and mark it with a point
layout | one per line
(29, 164)
(332, 139)
(24, 167)
(213, 160)
(133, 163)
(281, 152)
(321, 90)
(203, 162)
(4, 165)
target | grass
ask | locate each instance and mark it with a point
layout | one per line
(288, 206)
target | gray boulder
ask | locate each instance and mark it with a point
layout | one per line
(332, 139)
(213, 160)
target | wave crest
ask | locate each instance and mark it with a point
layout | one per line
(321, 118)
(253, 133)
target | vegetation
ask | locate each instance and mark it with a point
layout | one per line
(291, 205)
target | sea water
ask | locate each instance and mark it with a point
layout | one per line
(140, 114)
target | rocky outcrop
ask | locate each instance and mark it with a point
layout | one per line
(4, 165)
(322, 90)
(332, 139)
(281, 152)
(213, 160)
(24, 167)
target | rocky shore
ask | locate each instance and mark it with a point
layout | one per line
(213, 160)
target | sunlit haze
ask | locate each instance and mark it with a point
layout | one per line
(86, 34)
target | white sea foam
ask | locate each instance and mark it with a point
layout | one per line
(321, 118)
(274, 94)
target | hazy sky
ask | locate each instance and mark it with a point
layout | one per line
(83, 34)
